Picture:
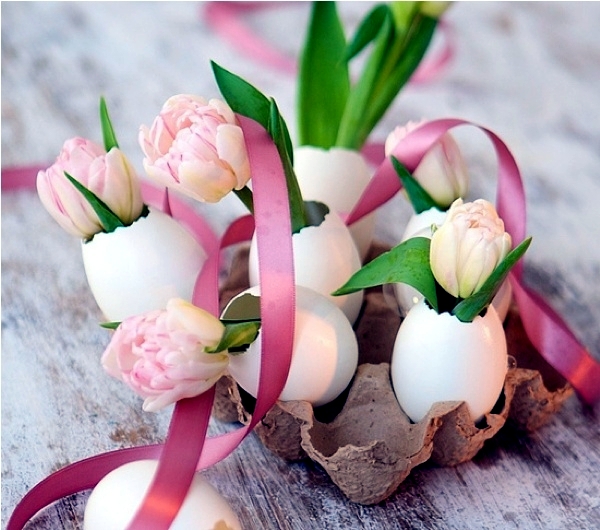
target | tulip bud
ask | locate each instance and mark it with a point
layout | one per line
(196, 148)
(110, 176)
(162, 355)
(433, 9)
(467, 247)
(442, 172)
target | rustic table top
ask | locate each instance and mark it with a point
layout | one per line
(528, 71)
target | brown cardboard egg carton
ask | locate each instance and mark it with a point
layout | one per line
(364, 433)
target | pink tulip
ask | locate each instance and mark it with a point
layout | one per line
(442, 172)
(162, 355)
(468, 246)
(110, 176)
(196, 148)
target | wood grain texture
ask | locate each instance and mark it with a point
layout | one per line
(528, 71)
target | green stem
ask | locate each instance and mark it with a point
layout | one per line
(416, 43)
(245, 195)
(388, 69)
(276, 130)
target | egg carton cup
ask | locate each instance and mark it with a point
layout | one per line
(364, 432)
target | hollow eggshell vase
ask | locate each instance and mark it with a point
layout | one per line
(138, 268)
(436, 358)
(324, 358)
(336, 177)
(325, 256)
(116, 498)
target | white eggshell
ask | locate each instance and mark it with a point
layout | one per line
(438, 358)
(419, 225)
(138, 268)
(324, 358)
(325, 257)
(336, 177)
(117, 497)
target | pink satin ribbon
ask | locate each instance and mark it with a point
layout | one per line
(226, 18)
(187, 433)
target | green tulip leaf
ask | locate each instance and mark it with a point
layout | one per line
(354, 128)
(419, 197)
(368, 30)
(238, 335)
(108, 132)
(246, 100)
(241, 96)
(108, 219)
(324, 79)
(410, 54)
(470, 307)
(407, 263)
(110, 325)
(276, 128)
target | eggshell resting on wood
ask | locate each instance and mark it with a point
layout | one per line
(324, 358)
(117, 497)
(138, 268)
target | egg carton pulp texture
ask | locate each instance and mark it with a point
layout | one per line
(364, 432)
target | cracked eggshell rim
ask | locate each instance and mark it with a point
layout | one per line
(336, 177)
(325, 256)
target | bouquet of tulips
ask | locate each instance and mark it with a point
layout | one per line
(143, 265)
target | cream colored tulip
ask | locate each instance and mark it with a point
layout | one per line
(442, 172)
(468, 246)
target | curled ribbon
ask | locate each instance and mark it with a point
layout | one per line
(544, 327)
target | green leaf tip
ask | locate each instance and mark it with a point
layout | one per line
(407, 263)
(110, 325)
(108, 219)
(418, 196)
(470, 307)
(108, 132)
(238, 335)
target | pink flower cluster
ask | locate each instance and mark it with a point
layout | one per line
(161, 355)
(196, 147)
(468, 246)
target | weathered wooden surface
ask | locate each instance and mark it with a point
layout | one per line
(528, 71)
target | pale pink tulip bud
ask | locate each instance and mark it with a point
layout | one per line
(196, 148)
(162, 355)
(442, 172)
(468, 246)
(110, 176)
